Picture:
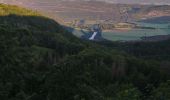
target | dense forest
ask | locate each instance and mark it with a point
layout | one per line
(40, 60)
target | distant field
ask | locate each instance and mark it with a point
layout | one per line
(133, 34)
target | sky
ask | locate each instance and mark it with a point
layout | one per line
(158, 2)
(140, 1)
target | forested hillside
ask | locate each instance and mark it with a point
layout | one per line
(40, 60)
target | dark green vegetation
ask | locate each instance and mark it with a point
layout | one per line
(39, 60)
(145, 50)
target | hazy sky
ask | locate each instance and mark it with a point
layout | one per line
(114, 1)
(140, 1)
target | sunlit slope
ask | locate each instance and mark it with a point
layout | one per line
(8, 9)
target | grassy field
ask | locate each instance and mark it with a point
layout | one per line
(134, 34)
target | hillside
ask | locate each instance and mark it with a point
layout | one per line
(41, 61)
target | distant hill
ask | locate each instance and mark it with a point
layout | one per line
(70, 11)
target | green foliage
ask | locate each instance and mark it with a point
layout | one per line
(162, 92)
(128, 92)
(145, 50)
